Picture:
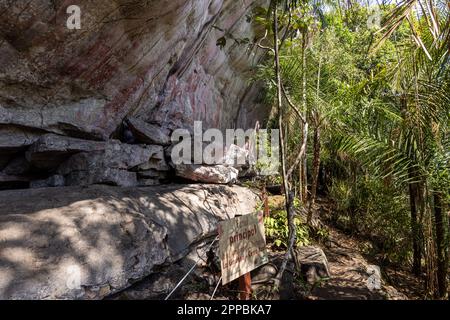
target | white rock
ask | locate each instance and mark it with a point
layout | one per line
(209, 174)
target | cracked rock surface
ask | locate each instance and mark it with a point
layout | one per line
(133, 73)
(90, 242)
(154, 60)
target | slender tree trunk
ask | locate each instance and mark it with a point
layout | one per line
(315, 172)
(305, 125)
(441, 245)
(413, 187)
(301, 154)
(415, 228)
(279, 105)
(300, 185)
(288, 195)
(305, 169)
(316, 146)
(430, 252)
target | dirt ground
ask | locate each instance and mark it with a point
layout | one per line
(348, 267)
(349, 277)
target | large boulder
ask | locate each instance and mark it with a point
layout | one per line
(102, 175)
(235, 156)
(108, 166)
(207, 174)
(87, 243)
(17, 166)
(311, 262)
(4, 160)
(152, 174)
(156, 161)
(52, 181)
(62, 144)
(147, 133)
(116, 164)
(151, 177)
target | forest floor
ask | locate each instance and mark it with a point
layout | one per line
(349, 278)
(348, 266)
(348, 270)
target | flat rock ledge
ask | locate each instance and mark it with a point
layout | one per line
(91, 242)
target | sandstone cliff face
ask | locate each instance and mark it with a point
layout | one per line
(96, 106)
(141, 68)
(155, 60)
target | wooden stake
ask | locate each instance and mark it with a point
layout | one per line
(245, 286)
(266, 204)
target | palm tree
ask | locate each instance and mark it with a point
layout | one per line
(428, 68)
(401, 130)
(434, 13)
(405, 146)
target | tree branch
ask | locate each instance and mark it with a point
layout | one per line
(302, 151)
(297, 111)
(259, 45)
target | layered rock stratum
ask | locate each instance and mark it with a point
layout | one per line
(134, 72)
(86, 117)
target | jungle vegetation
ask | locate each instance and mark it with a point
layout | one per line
(361, 94)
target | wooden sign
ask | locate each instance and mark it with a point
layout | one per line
(242, 245)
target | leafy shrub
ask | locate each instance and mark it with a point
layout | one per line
(374, 210)
(277, 230)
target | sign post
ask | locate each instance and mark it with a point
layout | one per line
(242, 248)
(245, 286)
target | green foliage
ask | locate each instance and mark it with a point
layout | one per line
(265, 163)
(440, 174)
(368, 207)
(382, 102)
(277, 230)
(276, 179)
